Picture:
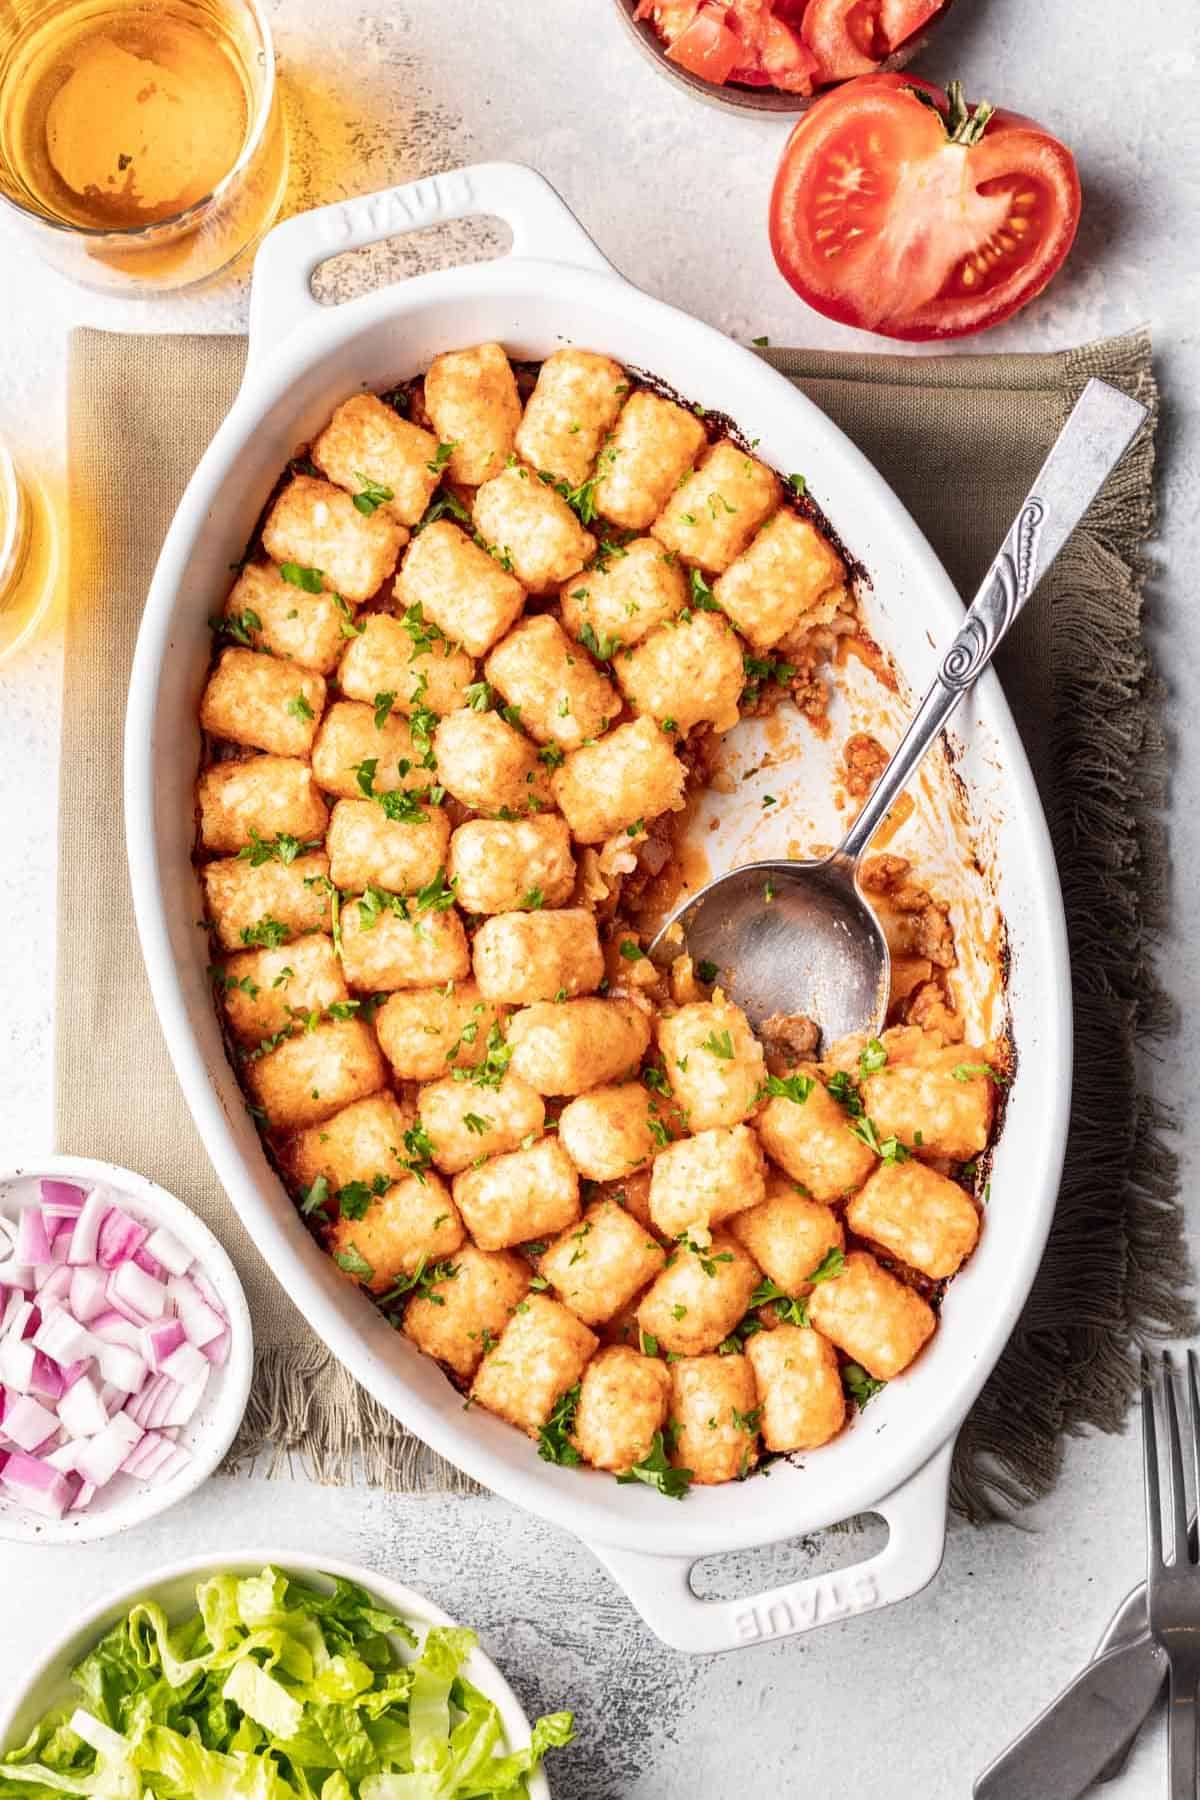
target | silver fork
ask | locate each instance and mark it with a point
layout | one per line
(1173, 1588)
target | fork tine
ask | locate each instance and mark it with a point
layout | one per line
(1154, 1553)
(1178, 1501)
(1193, 1382)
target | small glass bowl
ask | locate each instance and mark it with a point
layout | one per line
(753, 99)
(28, 556)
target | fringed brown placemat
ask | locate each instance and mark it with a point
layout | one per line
(960, 439)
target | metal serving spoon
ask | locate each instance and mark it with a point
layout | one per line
(799, 937)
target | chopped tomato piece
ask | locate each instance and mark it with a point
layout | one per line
(786, 61)
(844, 37)
(707, 48)
(898, 209)
(901, 19)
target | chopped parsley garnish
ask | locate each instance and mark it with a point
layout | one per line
(703, 598)
(349, 628)
(478, 696)
(655, 1079)
(707, 1259)
(796, 1088)
(437, 895)
(631, 951)
(968, 1071)
(354, 1199)
(266, 933)
(719, 1043)
(284, 849)
(845, 1093)
(552, 755)
(310, 580)
(707, 971)
(602, 648)
(239, 626)
(489, 1072)
(798, 484)
(477, 1123)
(532, 901)
(402, 806)
(554, 1442)
(384, 702)
(371, 495)
(298, 707)
(441, 457)
(352, 1260)
(873, 1058)
(889, 1148)
(647, 1343)
(313, 1198)
(424, 635)
(364, 774)
(746, 1421)
(442, 503)
(422, 1281)
(511, 716)
(860, 1386)
(656, 1472)
(761, 342)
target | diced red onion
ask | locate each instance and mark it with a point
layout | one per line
(184, 1404)
(206, 1291)
(138, 1290)
(175, 1257)
(62, 1459)
(87, 1226)
(120, 1237)
(56, 1289)
(87, 1298)
(32, 1245)
(122, 1366)
(21, 1317)
(158, 1342)
(41, 1488)
(61, 1196)
(100, 1457)
(16, 1275)
(83, 1498)
(47, 1378)
(202, 1325)
(16, 1364)
(27, 1423)
(113, 1327)
(187, 1364)
(149, 1265)
(62, 1337)
(81, 1411)
(217, 1350)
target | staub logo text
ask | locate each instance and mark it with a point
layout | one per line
(807, 1604)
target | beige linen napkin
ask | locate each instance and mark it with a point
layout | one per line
(960, 438)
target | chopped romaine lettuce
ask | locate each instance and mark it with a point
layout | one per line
(272, 1690)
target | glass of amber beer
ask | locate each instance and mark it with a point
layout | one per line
(142, 145)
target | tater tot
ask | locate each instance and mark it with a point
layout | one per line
(362, 1142)
(700, 1296)
(280, 617)
(814, 1141)
(238, 894)
(467, 1310)
(713, 1061)
(466, 1124)
(640, 589)
(528, 956)
(712, 517)
(919, 1098)
(531, 528)
(498, 863)
(428, 1032)
(568, 415)
(367, 849)
(263, 702)
(870, 1315)
(700, 1180)
(917, 1214)
(655, 444)
(774, 582)
(799, 1385)
(489, 766)
(632, 774)
(383, 660)
(598, 1264)
(516, 1198)
(541, 1353)
(316, 1073)
(261, 796)
(382, 951)
(623, 1401)
(315, 525)
(714, 1409)
(367, 448)
(560, 694)
(265, 990)
(607, 1132)
(458, 586)
(788, 1235)
(689, 673)
(415, 1221)
(350, 741)
(569, 1046)
(471, 396)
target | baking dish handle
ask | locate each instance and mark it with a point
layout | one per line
(660, 1586)
(543, 226)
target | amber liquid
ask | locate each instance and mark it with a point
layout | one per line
(29, 558)
(131, 119)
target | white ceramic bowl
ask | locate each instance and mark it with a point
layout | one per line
(173, 1587)
(557, 288)
(208, 1434)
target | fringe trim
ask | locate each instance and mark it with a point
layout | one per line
(307, 1411)
(1116, 1271)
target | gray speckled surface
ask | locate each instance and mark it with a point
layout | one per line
(915, 1700)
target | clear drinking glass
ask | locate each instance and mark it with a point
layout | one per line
(28, 556)
(142, 144)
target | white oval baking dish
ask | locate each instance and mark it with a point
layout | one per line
(554, 287)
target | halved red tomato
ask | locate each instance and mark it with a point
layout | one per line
(898, 209)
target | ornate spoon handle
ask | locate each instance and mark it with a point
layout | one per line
(1090, 445)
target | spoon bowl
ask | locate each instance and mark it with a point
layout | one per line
(793, 938)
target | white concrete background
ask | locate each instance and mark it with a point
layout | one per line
(910, 1702)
